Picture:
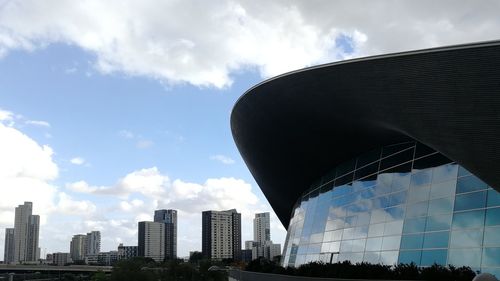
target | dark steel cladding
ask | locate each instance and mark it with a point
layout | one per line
(291, 129)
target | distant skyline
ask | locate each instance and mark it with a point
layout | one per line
(111, 110)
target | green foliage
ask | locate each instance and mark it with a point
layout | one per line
(99, 276)
(196, 257)
(365, 270)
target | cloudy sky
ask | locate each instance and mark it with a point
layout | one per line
(112, 109)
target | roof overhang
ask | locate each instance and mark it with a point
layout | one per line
(293, 128)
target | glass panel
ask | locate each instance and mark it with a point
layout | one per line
(433, 160)
(345, 167)
(368, 157)
(493, 198)
(376, 230)
(436, 239)
(412, 241)
(417, 210)
(421, 178)
(400, 181)
(470, 201)
(466, 239)
(384, 181)
(439, 222)
(492, 236)
(363, 219)
(377, 216)
(430, 257)
(444, 189)
(337, 235)
(398, 198)
(418, 194)
(372, 257)
(444, 173)
(391, 242)
(491, 257)
(391, 149)
(471, 219)
(414, 225)
(392, 228)
(465, 257)
(441, 206)
(462, 171)
(395, 213)
(373, 244)
(470, 183)
(358, 245)
(423, 150)
(366, 171)
(408, 257)
(346, 246)
(493, 216)
(396, 159)
(389, 257)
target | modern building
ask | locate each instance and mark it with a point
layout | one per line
(126, 252)
(8, 255)
(151, 240)
(107, 258)
(169, 218)
(93, 243)
(78, 247)
(262, 228)
(221, 234)
(389, 159)
(61, 258)
(26, 234)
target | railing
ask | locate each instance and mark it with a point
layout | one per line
(240, 275)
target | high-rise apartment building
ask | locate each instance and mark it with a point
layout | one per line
(126, 252)
(93, 243)
(169, 218)
(78, 247)
(262, 228)
(26, 233)
(8, 255)
(221, 234)
(151, 240)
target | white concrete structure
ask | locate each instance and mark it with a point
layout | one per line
(93, 246)
(78, 247)
(262, 228)
(221, 234)
(26, 233)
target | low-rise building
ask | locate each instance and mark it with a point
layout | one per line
(61, 258)
(126, 252)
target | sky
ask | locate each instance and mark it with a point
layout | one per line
(112, 109)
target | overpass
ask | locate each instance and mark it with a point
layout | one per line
(8, 268)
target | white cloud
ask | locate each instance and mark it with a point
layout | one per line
(126, 134)
(38, 123)
(77, 161)
(158, 39)
(68, 206)
(6, 115)
(223, 159)
(142, 144)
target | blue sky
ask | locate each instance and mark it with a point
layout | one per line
(111, 109)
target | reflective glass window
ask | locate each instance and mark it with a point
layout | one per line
(412, 241)
(470, 219)
(493, 216)
(384, 182)
(421, 178)
(436, 239)
(374, 244)
(470, 183)
(396, 159)
(429, 257)
(391, 242)
(441, 206)
(345, 167)
(395, 213)
(491, 257)
(407, 257)
(465, 257)
(376, 230)
(418, 194)
(444, 173)
(394, 148)
(366, 171)
(368, 157)
(398, 198)
(414, 225)
(493, 198)
(346, 246)
(438, 222)
(417, 210)
(341, 190)
(392, 228)
(462, 171)
(377, 216)
(389, 257)
(423, 150)
(400, 181)
(443, 189)
(337, 235)
(358, 245)
(432, 160)
(361, 231)
(466, 238)
(492, 237)
(372, 257)
(470, 201)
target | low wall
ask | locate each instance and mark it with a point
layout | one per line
(239, 275)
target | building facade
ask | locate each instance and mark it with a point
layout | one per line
(78, 247)
(387, 159)
(8, 255)
(221, 234)
(107, 258)
(26, 234)
(151, 240)
(126, 252)
(169, 218)
(262, 228)
(61, 259)
(93, 243)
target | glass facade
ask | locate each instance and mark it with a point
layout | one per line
(399, 204)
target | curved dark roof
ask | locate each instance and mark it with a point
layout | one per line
(292, 129)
